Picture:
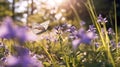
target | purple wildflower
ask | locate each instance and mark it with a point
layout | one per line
(7, 29)
(76, 43)
(73, 32)
(12, 31)
(58, 28)
(73, 35)
(21, 51)
(87, 37)
(71, 29)
(92, 28)
(112, 42)
(23, 34)
(101, 19)
(83, 37)
(82, 23)
(10, 61)
(97, 44)
(22, 59)
(110, 31)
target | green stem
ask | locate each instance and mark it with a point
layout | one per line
(116, 30)
(94, 19)
(50, 57)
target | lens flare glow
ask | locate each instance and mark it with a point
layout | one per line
(54, 3)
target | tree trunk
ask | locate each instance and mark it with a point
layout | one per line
(13, 9)
(32, 7)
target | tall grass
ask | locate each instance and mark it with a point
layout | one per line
(105, 39)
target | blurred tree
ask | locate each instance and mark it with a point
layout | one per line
(4, 9)
(13, 9)
(32, 7)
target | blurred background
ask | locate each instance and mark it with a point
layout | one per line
(56, 11)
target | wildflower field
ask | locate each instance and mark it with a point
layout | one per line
(55, 39)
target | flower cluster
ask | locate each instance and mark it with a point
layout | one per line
(11, 31)
(20, 34)
(99, 41)
(82, 37)
(101, 19)
(21, 59)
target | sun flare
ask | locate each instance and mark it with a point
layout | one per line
(55, 3)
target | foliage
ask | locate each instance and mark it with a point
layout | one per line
(4, 9)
